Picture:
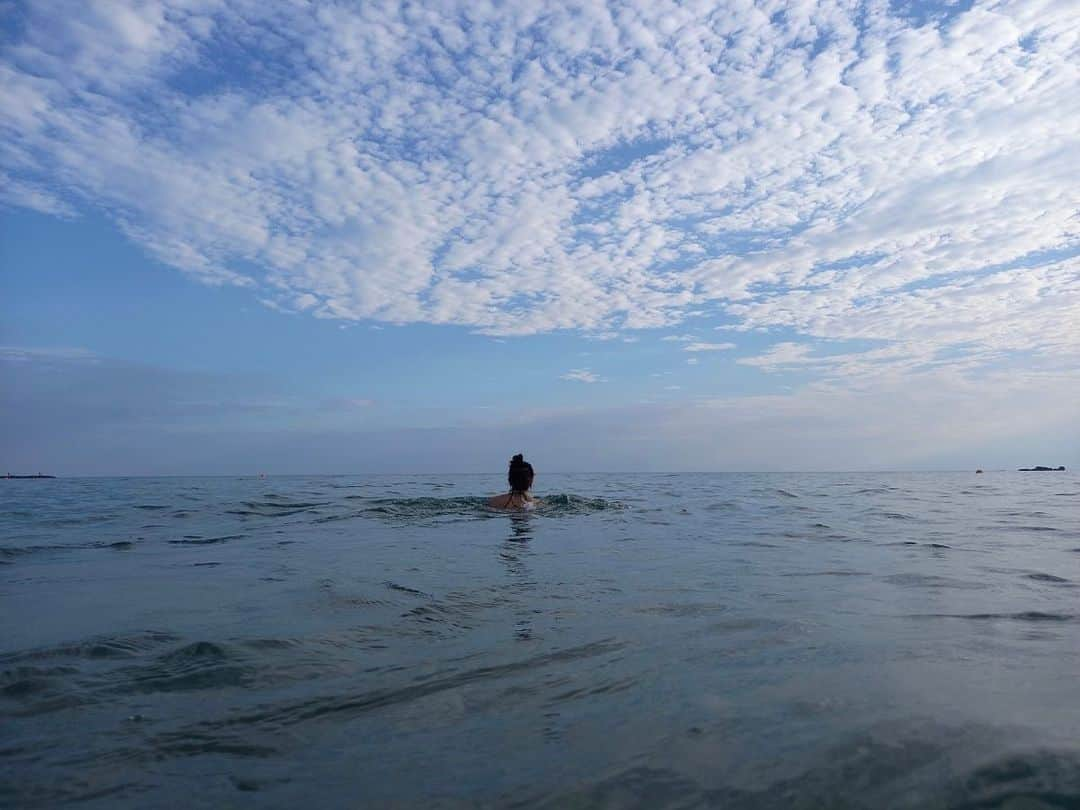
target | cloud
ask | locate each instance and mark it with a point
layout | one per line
(707, 347)
(581, 375)
(691, 361)
(780, 356)
(29, 353)
(844, 173)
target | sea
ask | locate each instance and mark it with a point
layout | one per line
(840, 640)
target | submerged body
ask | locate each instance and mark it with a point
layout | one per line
(520, 477)
(514, 500)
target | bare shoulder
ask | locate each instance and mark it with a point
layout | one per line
(499, 501)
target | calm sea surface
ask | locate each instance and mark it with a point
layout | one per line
(826, 640)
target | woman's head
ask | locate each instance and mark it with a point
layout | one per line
(521, 474)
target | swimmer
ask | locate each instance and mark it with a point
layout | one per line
(520, 477)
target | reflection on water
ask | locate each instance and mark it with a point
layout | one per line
(878, 640)
(515, 556)
(521, 526)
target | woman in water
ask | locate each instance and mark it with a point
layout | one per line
(520, 477)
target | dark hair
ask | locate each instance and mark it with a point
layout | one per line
(521, 474)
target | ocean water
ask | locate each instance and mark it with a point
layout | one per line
(737, 641)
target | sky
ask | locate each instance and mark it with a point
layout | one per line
(282, 236)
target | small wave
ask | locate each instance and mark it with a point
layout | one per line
(127, 646)
(283, 504)
(407, 509)
(1021, 616)
(82, 520)
(21, 551)
(357, 703)
(576, 504)
(422, 508)
(21, 681)
(337, 518)
(34, 690)
(1032, 779)
(932, 581)
(684, 610)
(269, 643)
(863, 771)
(828, 574)
(395, 587)
(189, 540)
(1004, 525)
(1039, 577)
(195, 666)
(723, 506)
(261, 513)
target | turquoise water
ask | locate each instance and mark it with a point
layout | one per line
(827, 640)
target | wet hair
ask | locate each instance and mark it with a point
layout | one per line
(520, 475)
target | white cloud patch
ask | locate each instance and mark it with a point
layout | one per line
(581, 375)
(707, 347)
(842, 172)
(781, 355)
(37, 353)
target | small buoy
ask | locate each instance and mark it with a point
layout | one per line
(978, 471)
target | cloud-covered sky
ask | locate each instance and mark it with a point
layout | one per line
(860, 219)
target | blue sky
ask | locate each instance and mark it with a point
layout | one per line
(322, 237)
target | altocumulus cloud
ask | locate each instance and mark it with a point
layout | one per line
(846, 171)
(581, 375)
(698, 346)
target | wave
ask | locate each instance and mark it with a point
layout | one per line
(45, 548)
(425, 508)
(119, 646)
(195, 540)
(353, 704)
(1021, 616)
(881, 768)
(1040, 577)
(421, 508)
(577, 504)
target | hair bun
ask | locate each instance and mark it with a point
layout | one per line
(518, 459)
